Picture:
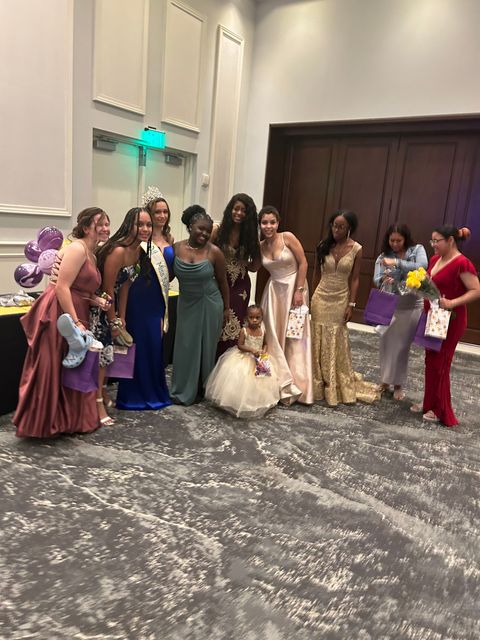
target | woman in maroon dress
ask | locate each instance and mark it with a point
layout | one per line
(456, 279)
(237, 237)
(46, 408)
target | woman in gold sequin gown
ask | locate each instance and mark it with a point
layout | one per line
(338, 266)
(237, 237)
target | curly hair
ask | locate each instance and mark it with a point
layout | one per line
(403, 230)
(193, 213)
(248, 243)
(122, 238)
(85, 219)
(150, 207)
(323, 249)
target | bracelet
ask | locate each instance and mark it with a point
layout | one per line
(77, 322)
(300, 289)
(117, 323)
(352, 304)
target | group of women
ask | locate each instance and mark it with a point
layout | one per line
(118, 287)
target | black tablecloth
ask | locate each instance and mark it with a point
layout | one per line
(14, 348)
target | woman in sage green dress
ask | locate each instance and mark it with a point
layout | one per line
(203, 306)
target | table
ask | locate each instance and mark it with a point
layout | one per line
(14, 348)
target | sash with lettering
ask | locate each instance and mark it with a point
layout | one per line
(161, 269)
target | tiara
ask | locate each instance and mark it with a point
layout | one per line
(151, 194)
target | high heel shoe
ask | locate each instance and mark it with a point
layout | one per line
(106, 421)
(398, 394)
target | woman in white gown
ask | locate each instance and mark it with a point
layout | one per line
(284, 259)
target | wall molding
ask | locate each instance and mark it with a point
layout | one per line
(217, 155)
(100, 71)
(26, 210)
(4, 244)
(170, 113)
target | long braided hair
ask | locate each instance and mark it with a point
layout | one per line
(124, 238)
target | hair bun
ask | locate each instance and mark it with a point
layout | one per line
(464, 233)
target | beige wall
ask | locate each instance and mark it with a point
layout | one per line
(81, 66)
(347, 59)
(307, 60)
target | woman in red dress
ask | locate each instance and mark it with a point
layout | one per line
(46, 408)
(456, 279)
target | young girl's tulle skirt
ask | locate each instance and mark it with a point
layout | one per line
(234, 387)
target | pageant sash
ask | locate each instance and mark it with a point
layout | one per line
(161, 269)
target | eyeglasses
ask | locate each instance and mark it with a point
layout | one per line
(434, 242)
(339, 227)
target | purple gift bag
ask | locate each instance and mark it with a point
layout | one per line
(380, 307)
(434, 344)
(123, 362)
(84, 377)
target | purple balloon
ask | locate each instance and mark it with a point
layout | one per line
(46, 260)
(27, 275)
(32, 250)
(49, 238)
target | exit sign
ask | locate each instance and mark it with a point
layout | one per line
(153, 138)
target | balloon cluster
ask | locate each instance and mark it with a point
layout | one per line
(41, 253)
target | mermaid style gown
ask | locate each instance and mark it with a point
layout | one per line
(46, 408)
(199, 324)
(292, 357)
(334, 379)
(144, 319)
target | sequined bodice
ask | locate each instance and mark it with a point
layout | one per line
(254, 342)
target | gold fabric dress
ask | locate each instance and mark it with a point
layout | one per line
(334, 379)
(292, 357)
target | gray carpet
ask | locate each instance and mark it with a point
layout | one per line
(354, 523)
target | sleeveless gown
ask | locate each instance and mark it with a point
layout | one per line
(46, 408)
(292, 357)
(334, 379)
(234, 387)
(199, 324)
(144, 318)
(437, 397)
(239, 285)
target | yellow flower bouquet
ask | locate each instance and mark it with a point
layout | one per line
(420, 283)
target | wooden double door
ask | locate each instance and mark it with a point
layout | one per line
(422, 173)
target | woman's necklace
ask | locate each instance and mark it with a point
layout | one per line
(190, 246)
(338, 251)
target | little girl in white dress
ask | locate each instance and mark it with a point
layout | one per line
(244, 382)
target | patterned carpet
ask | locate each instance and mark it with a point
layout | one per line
(360, 522)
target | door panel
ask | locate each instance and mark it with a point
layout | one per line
(115, 181)
(423, 172)
(307, 197)
(170, 179)
(427, 182)
(364, 185)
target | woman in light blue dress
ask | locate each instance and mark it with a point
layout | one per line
(399, 256)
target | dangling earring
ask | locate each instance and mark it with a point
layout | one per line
(348, 234)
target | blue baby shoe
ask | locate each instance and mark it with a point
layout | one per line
(78, 341)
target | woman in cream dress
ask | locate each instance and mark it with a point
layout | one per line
(338, 265)
(284, 259)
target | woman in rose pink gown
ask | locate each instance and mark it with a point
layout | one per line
(46, 408)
